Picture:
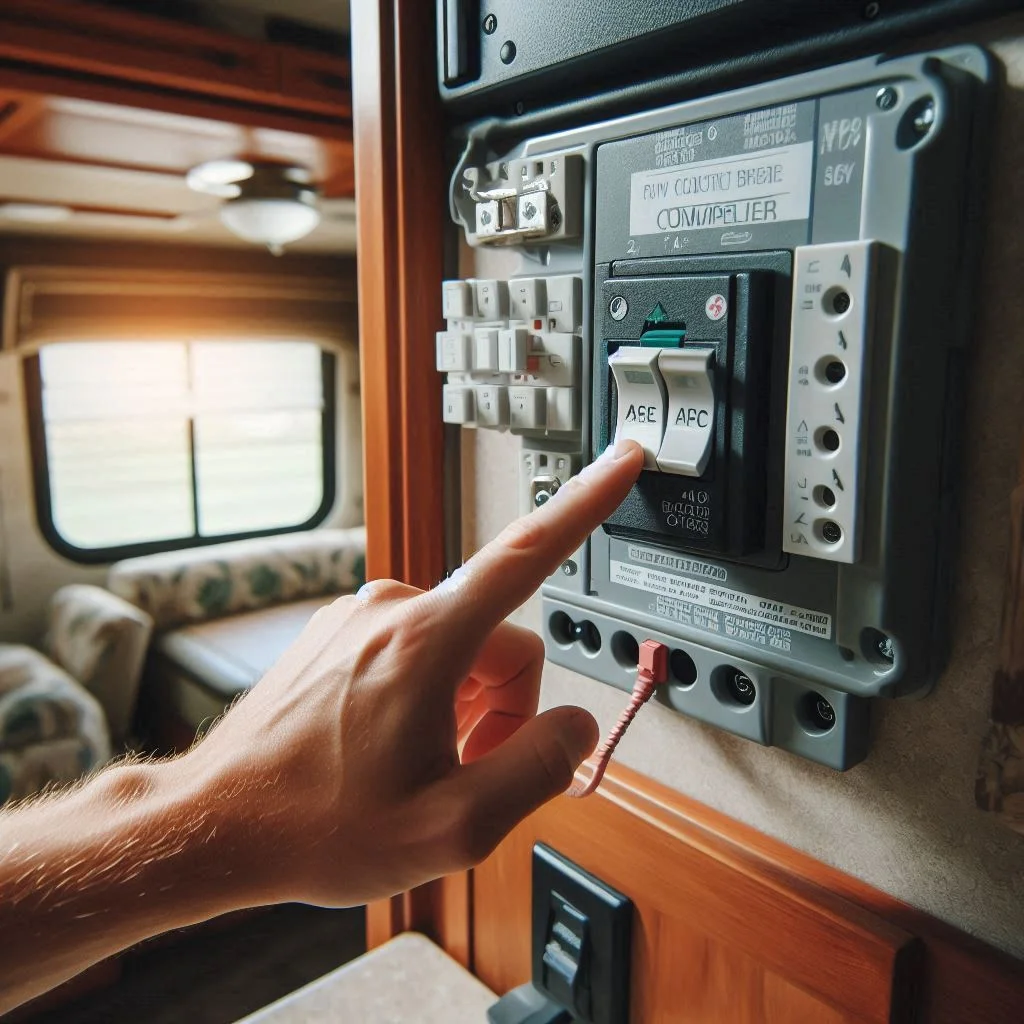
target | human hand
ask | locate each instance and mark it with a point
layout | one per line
(338, 778)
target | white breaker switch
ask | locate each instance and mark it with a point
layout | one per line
(826, 416)
(513, 350)
(641, 399)
(689, 424)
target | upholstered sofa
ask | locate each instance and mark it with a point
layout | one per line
(65, 709)
(223, 614)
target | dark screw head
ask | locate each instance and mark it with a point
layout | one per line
(485, 217)
(569, 568)
(885, 648)
(520, 107)
(507, 53)
(885, 98)
(530, 210)
(830, 441)
(841, 302)
(743, 688)
(541, 498)
(871, 10)
(831, 532)
(824, 711)
(490, 24)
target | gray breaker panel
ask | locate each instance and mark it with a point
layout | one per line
(782, 712)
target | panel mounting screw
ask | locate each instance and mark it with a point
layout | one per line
(885, 98)
(490, 24)
(530, 210)
(824, 710)
(871, 10)
(618, 308)
(569, 568)
(485, 217)
(743, 688)
(507, 53)
(885, 648)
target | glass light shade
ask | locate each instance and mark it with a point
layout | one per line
(271, 222)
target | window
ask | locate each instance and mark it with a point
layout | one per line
(156, 445)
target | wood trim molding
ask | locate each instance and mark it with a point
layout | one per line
(789, 929)
(149, 51)
(400, 191)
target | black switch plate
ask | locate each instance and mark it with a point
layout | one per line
(581, 940)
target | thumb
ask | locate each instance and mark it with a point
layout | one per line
(534, 765)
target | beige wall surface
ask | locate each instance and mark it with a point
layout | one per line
(905, 820)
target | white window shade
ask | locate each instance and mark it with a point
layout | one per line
(145, 380)
(161, 441)
(256, 376)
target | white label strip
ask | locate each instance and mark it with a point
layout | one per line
(756, 188)
(707, 595)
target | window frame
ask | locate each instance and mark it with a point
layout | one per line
(33, 385)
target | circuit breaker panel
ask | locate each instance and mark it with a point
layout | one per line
(770, 291)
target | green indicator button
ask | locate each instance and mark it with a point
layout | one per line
(663, 339)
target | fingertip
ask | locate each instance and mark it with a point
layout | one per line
(627, 449)
(579, 731)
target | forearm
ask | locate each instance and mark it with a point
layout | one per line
(136, 851)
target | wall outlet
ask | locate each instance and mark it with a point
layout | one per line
(582, 930)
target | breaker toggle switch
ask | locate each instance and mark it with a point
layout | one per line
(641, 399)
(689, 423)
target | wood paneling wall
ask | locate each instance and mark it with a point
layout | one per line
(735, 927)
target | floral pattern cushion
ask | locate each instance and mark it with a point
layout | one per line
(177, 587)
(51, 730)
(101, 640)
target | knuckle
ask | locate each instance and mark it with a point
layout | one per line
(523, 534)
(380, 591)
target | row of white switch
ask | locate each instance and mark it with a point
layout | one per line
(558, 301)
(552, 358)
(518, 407)
(666, 403)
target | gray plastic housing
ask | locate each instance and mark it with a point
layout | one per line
(913, 189)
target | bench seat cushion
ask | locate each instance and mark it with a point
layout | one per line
(225, 657)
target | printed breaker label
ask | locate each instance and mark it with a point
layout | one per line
(707, 595)
(765, 187)
(666, 560)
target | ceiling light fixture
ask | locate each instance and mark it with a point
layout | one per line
(267, 204)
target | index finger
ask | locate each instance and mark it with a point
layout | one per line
(506, 572)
